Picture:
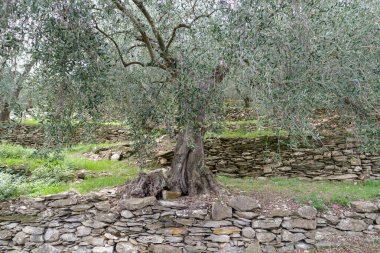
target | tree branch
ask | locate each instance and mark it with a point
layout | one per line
(125, 64)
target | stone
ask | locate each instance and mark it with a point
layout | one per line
(364, 206)
(103, 206)
(292, 237)
(303, 246)
(36, 238)
(280, 213)
(126, 247)
(46, 248)
(83, 231)
(216, 224)
(226, 231)
(352, 225)
(106, 217)
(51, 235)
(254, 248)
(33, 230)
(307, 212)
(247, 215)
(133, 204)
(147, 239)
(164, 249)
(172, 204)
(5, 234)
(343, 177)
(94, 224)
(69, 237)
(98, 249)
(20, 238)
(170, 195)
(267, 224)
(243, 203)
(300, 223)
(64, 202)
(220, 211)
(219, 238)
(80, 208)
(248, 232)
(115, 157)
(126, 214)
(265, 236)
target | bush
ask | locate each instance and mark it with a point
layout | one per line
(52, 174)
(14, 151)
(8, 185)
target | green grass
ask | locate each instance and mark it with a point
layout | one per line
(320, 194)
(14, 151)
(243, 122)
(30, 122)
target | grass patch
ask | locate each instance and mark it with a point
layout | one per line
(30, 122)
(320, 194)
(242, 122)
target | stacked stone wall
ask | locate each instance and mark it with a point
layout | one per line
(99, 223)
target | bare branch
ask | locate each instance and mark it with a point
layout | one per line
(125, 64)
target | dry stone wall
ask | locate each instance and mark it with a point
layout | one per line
(336, 158)
(98, 223)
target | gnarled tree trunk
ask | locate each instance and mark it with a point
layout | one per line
(188, 173)
(5, 113)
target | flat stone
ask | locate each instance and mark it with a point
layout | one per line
(303, 246)
(126, 247)
(64, 202)
(156, 239)
(198, 213)
(220, 211)
(265, 236)
(80, 208)
(307, 212)
(83, 231)
(133, 204)
(126, 214)
(226, 231)
(216, 224)
(103, 206)
(300, 223)
(267, 224)
(164, 249)
(108, 249)
(219, 238)
(254, 248)
(46, 248)
(33, 230)
(364, 206)
(280, 213)
(343, 177)
(292, 237)
(352, 225)
(36, 238)
(248, 232)
(247, 215)
(69, 237)
(243, 203)
(106, 217)
(94, 224)
(172, 204)
(51, 235)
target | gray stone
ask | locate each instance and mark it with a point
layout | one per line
(69, 237)
(303, 246)
(243, 203)
(292, 237)
(126, 247)
(51, 235)
(103, 206)
(33, 230)
(248, 232)
(364, 206)
(36, 238)
(20, 238)
(307, 212)
(5, 234)
(106, 217)
(254, 248)
(172, 204)
(80, 208)
(126, 214)
(267, 224)
(300, 223)
(137, 203)
(147, 239)
(265, 236)
(343, 177)
(281, 213)
(108, 249)
(219, 238)
(83, 231)
(216, 224)
(352, 225)
(220, 211)
(64, 202)
(164, 249)
(46, 248)
(247, 215)
(94, 224)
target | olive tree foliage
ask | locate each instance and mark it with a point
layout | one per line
(303, 55)
(15, 62)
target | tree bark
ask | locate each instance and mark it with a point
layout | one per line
(5, 113)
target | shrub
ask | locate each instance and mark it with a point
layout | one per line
(51, 174)
(8, 185)
(14, 151)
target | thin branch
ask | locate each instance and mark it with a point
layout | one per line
(138, 26)
(125, 64)
(152, 24)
